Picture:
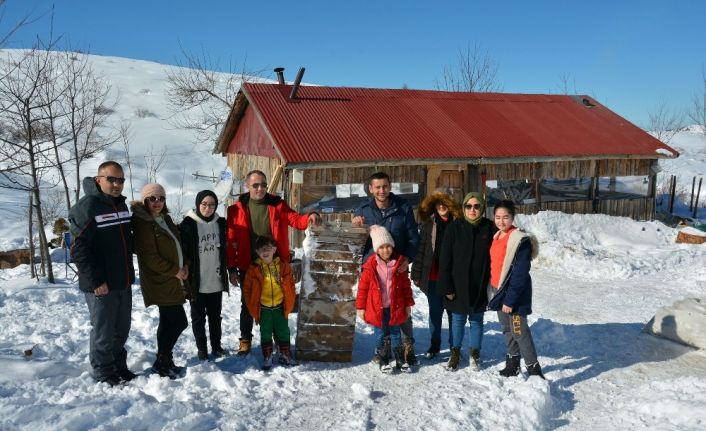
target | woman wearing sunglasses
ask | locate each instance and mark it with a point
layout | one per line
(464, 271)
(163, 272)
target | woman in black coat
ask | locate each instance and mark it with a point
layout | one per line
(464, 271)
(203, 240)
(435, 212)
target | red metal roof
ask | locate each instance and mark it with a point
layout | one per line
(364, 124)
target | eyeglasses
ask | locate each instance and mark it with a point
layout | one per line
(154, 199)
(203, 205)
(472, 206)
(259, 185)
(114, 180)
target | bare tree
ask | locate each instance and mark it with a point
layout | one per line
(199, 97)
(474, 71)
(664, 123)
(24, 151)
(125, 138)
(567, 84)
(153, 163)
(6, 34)
(87, 102)
(697, 113)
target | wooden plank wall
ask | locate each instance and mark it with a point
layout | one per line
(410, 173)
(567, 169)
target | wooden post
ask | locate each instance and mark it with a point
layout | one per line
(693, 184)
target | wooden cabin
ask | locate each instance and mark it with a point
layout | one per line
(318, 145)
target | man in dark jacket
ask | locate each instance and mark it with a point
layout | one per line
(102, 251)
(396, 215)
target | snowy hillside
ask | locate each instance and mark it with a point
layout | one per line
(597, 281)
(142, 87)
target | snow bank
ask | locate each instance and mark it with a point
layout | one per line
(683, 322)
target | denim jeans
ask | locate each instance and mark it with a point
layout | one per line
(436, 312)
(458, 323)
(393, 332)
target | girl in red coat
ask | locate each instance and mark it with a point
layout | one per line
(385, 297)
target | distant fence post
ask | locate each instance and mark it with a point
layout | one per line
(696, 202)
(691, 202)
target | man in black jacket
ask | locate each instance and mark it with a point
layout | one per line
(102, 251)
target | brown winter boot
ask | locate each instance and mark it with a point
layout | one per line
(455, 359)
(409, 355)
(245, 346)
(266, 355)
(475, 359)
(285, 355)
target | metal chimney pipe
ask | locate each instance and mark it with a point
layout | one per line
(280, 74)
(297, 81)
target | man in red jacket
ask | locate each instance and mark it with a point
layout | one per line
(258, 213)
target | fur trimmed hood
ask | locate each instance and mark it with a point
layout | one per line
(428, 206)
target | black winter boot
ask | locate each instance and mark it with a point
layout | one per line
(400, 361)
(455, 359)
(512, 366)
(433, 349)
(164, 366)
(384, 354)
(535, 370)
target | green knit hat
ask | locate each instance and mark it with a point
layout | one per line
(481, 199)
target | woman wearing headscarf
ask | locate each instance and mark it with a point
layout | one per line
(464, 271)
(435, 212)
(203, 239)
(163, 272)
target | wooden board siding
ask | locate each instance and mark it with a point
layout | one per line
(405, 174)
(241, 164)
(567, 169)
(638, 209)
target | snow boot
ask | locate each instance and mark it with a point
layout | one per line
(475, 359)
(219, 352)
(202, 355)
(267, 356)
(455, 359)
(285, 355)
(384, 354)
(512, 366)
(126, 374)
(113, 380)
(410, 358)
(244, 347)
(433, 350)
(400, 361)
(164, 366)
(535, 370)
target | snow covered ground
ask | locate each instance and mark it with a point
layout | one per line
(598, 280)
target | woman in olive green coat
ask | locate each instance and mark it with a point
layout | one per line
(163, 272)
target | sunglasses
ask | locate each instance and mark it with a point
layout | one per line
(259, 185)
(154, 199)
(472, 206)
(113, 180)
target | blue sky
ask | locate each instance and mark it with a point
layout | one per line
(629, 54)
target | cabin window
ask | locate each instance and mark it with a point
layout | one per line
(629, 187)
(565, 189)
(518, 191)
(341, 198)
